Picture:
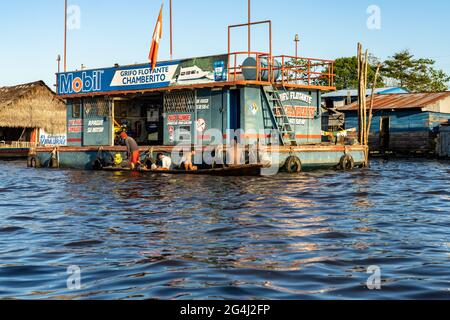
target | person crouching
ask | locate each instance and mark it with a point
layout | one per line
(186, 162)
(133, 152)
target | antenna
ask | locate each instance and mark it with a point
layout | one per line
(296, 40)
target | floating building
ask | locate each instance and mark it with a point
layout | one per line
(404, 123)
(30, 115)
(245, 96)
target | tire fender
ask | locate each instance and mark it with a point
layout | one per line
(347, 163)
(33, 162)
(293, 165)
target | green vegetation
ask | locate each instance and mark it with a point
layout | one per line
(402, 69)
(416, 75)
(346, 70)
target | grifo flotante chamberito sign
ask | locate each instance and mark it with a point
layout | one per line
(141, 77)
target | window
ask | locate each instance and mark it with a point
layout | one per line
(76, 110)
(179, 102)
(96, 107)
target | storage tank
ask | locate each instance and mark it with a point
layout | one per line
(249, 69)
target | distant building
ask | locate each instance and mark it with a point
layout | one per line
(30, 115)
(404, 123)
(332, 119)
(444, 140)
(340, 98)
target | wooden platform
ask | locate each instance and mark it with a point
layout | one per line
(13, 153)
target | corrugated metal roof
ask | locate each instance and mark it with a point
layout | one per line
(353, 93)
(401, 101)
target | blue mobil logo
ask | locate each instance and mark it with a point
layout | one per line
(117, 79)
(80, 82)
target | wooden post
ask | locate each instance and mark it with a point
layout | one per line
(359, 92)
(363, 66)
(366, 64)
(369, 123)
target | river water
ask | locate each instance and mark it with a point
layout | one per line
(311, 236)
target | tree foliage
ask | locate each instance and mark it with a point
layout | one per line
(402, 69)
(416, 75)
(346, 70)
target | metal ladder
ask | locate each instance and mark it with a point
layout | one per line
(279, 116)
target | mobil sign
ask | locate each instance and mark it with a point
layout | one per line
(80, 82)
(113, 79)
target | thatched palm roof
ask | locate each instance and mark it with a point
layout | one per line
(32, 105)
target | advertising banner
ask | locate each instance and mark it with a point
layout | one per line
(141, 77)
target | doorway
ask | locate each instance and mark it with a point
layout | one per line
(235, 109)
(385, 124)
(142, 118)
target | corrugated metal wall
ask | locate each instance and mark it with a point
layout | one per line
(410, 130)
(444, 142)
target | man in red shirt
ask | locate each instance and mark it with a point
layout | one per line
(133, 152)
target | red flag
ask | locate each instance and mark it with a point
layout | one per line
(157, 35)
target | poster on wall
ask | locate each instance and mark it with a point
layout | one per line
(141, 77)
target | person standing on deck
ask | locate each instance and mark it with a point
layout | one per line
(133, 152)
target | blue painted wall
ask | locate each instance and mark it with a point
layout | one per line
(74, 124)
(243, 108)
(87, 128)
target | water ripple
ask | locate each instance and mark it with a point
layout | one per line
(311, 236)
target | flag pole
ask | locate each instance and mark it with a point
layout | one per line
(65, 36)
(171, 38)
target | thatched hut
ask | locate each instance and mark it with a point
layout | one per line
(27, 109)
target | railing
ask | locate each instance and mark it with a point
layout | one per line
(17, 144)
(305, 71)
(284, 70)
(235, 67)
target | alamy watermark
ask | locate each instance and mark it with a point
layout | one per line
(74, 278)
(374, 281)
(236, 147)
(73, 17)
(374, 19)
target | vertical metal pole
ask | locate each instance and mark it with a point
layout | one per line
(59, 71)
(171, 36)
(296, 39)
(65, 36)
(249, 27)
(229, 55)
(270, 62)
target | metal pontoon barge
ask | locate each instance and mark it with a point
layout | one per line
(246, 92)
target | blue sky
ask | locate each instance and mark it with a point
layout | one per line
(114, 31)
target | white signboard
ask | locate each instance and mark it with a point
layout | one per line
(144, 76)
(52, 140)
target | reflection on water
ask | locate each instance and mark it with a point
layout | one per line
(294, 237)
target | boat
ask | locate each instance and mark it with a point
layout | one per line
(194, 73)
(238, 170)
